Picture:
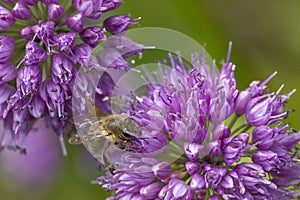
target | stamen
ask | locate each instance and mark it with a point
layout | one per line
(268, 79)
(62, 144)
(291, 92)
(229, 52)
(20, 63)
(279, 90)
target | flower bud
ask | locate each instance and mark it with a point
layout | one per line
(54, 95)
(118, 24)
(44, 30)
(258, 110)
(214, 147)
(233, 148)
(29, 79)
(82, 53)
(34, 53)
(151, 191)
(241, 102)
(84, 7)
(26, 33)
(49, 1)
(162, 170)
(227, 182)
(178, 188)
(7, 72)
(88, 8)
(256, 87)
(65, 41)
(213, 175)
(76, 22)
(263, 137)
(37, 106)
(192, 167)
(249, 169)
(192, 150)
(163, 192)
(6, 19)
(221, 132)
(108, 5)
(92, 35)
(252, 175)
(55, 11)
(61, 69)
(5, 92)
(30, 2)
(21, 11)
(197, 182)
(7, 44)
(22, 125)
(267, 159)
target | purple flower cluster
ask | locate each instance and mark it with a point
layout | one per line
(42, 45)
(212, 141)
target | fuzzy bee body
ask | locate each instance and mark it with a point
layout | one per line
(108, 131)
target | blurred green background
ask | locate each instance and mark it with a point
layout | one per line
(265, 36)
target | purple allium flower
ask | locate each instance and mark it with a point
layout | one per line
(40, 166)
(43, 43)
(208, 155)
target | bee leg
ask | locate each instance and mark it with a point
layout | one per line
(106, 161)
(108, 134)
(75, 139)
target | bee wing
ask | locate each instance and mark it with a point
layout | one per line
(90, 137)
(97, 147)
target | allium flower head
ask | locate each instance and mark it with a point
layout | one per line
(43, 43)
(195, 145)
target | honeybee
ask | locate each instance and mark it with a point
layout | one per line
(112, 130)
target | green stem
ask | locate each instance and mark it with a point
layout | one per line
(63, 28)
(47, 67)
(34, 14)
(39, 7)
(246, 129)
(252, 150)
(235, 118)
(239, 128)
(18, 57)
(6, 5)
(14, 28)
(45, 12)
(67, 5)
(176, 145)
(10, 33)
(22, 23)
(188, 180)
